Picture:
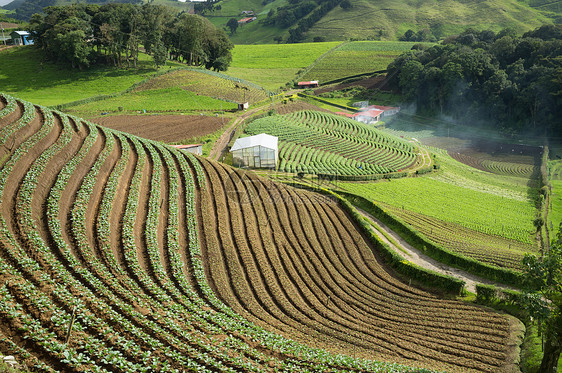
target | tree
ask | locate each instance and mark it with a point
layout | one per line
(232, 24)
(543, 300)
(159, 53)
(346, 4)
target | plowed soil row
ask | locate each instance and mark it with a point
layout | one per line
(292, 262)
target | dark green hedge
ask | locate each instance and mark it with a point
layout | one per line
(435, 251)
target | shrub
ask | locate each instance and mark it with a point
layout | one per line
(486, 293)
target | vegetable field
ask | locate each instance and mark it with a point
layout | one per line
(159, 262)
(321, 143)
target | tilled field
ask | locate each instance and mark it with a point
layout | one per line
(167, 128)
(167, 262)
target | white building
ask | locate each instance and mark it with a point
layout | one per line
(259, 151)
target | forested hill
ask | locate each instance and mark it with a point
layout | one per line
(502, 80)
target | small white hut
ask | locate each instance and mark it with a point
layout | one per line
(259, 151)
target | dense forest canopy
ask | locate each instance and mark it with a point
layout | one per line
(82, 35)
(511, 82)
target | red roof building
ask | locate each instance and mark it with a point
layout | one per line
(368, 116)
(243, 21)
(309, 84)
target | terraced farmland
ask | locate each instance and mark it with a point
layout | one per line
(166, 266)
(314, 142)
(208, 83)
(486, 248)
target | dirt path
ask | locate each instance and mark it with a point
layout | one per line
(220, 145)
(408, 252)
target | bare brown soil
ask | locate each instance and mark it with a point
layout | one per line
(167, 128)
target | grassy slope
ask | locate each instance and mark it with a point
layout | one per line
(356, 58)
(273, 65)
(393, 18)
(23, 73)
(388, 19)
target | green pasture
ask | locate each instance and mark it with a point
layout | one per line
(474, 199)
(173, 99)
(273, 65)
(389, 19)
(356, 58)
(24, 74)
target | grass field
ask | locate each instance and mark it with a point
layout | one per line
(462, 195)
(173, 99)
(357, 58)
(24, 73)
(389, 19)
(273, 65)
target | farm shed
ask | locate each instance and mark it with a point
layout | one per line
(309, 84)
(21, 38)
(259, 151)
(368, 116)
(191, 148)
(243, 21)
(387, 110)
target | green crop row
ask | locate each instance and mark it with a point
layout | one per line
(314, 142)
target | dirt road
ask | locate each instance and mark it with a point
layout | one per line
(408, 252)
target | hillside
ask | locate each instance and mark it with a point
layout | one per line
(167, 267)
(388, 20)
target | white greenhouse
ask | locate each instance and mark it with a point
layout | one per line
(259, 151)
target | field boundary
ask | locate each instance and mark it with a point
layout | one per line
(437, 252)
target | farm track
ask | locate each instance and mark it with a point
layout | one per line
(170, 261)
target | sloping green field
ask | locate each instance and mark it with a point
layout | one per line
(273, 65)
(356, 58)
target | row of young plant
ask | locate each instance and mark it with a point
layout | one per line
(318, 227)
(344, 126)
(9, 103)
(62, 241)
(82, 280)
(29, 113)
(37, 333)
(281, 344)
(493, 250)
(351, 157)
(416, 239)
(313, 160)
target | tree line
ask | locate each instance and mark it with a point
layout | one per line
(81, 35)
(480, 77)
